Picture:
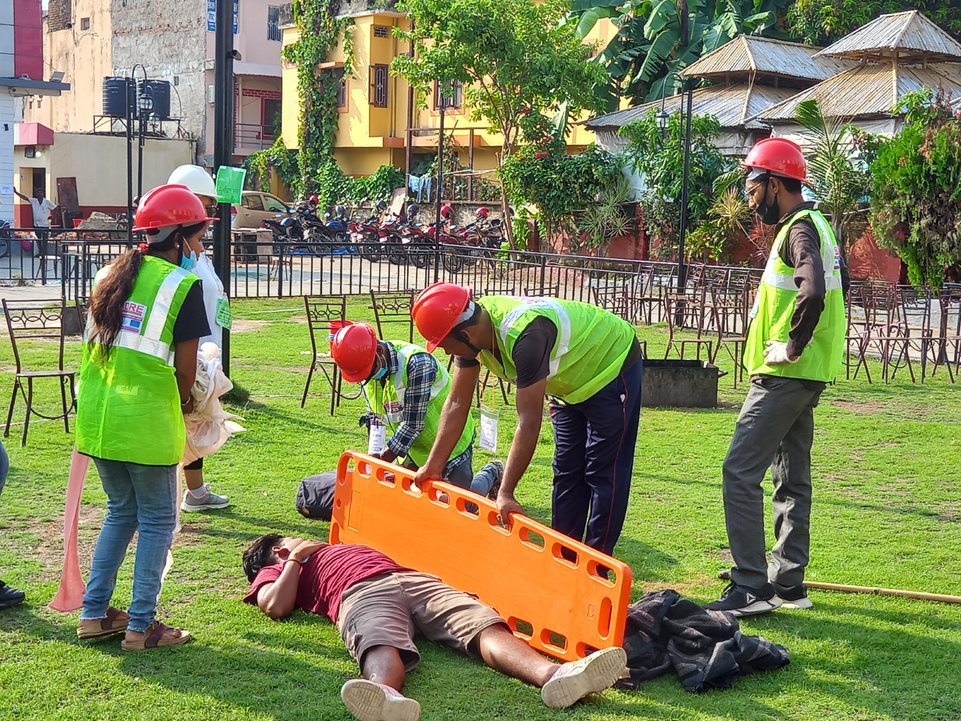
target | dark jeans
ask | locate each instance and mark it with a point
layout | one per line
(776, 430)
(594, 459)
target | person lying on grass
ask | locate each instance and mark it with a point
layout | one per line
(378, 605)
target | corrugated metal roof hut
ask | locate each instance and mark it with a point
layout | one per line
(749, 75)
(896, 54)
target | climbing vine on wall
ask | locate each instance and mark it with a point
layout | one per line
(277, 156)
(320, 31)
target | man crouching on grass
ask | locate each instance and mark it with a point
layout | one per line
(378, 605)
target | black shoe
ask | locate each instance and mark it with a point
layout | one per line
(10, 597)
(794, 597)
(743, 601)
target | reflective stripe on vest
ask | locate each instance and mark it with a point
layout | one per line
(776, 303)
(589, 351)
(829, 257)
(563, 343)
(378, 397)
(148, 341)
(404, 353)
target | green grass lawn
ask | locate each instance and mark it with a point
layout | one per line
(887, 513)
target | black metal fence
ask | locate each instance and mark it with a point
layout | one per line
(283, 269)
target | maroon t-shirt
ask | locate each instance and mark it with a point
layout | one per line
(326, 575)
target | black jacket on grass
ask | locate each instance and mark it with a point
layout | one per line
(705, 648)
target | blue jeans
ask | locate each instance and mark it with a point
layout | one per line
(594, 460)
(137, 496)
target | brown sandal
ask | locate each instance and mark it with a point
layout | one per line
(114, 623)
(158, 635)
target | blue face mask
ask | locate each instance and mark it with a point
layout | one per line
(187, 260)
(379, 375)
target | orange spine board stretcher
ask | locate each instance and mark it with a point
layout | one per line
(561, 607)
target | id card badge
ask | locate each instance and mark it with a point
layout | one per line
(488, 429)
(224, 316)
(376, 437)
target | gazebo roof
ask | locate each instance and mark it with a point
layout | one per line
(907, 36)
(748, 55)
(868, 91)
(733, 105)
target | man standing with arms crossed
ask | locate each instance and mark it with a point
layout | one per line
(794, 347)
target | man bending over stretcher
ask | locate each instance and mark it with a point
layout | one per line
(377, 606)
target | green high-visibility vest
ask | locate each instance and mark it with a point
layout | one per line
(776, 302)
(128, 407)
(592, 343)
(387, 400)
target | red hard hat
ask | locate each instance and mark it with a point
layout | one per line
(446, 211)
(354, 349)
(169, 206)
(483, 212)
(437, 310)
(778, 156)
(313, 200)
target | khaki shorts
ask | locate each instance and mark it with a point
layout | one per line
(388, 609)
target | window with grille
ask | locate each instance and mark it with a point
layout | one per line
(381, 31)
(84, 23)
(453, 95)
(379, 86)
(273, 23)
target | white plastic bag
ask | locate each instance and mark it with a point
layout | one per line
(209, 426)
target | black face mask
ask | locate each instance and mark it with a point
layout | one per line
(769, 214)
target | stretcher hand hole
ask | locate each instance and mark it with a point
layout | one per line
(531, 539)
(520, 627)
(467, 508)
(554, 641)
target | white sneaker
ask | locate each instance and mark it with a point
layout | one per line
(369, 701)
(575, 680)
(207, 501)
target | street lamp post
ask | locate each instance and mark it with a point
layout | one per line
(223, 143)
(681, 267)
(442, 107)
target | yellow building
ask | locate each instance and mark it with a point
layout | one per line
(376, 126)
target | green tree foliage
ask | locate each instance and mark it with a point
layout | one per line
(823, 21)
(837, 180)
(649, 49)
(320, 31)
(916, 209)
(514, 57)
(728, 223)
(277, 156)
(659, 156)
(577, 196)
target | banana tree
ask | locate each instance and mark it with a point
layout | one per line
(650, 48)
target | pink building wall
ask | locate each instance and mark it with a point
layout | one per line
(28, 39)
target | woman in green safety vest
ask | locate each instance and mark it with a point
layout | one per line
(405, 389)
(139, 365)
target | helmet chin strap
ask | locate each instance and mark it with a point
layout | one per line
(465, 339)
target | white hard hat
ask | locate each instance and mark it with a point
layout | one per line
(196, 179)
